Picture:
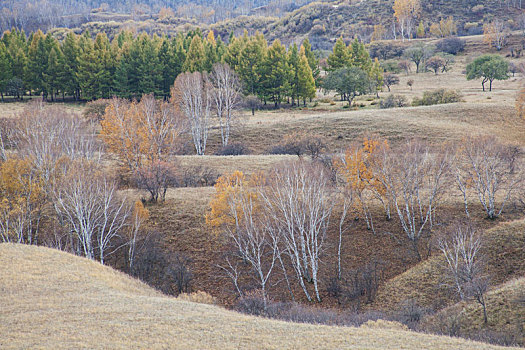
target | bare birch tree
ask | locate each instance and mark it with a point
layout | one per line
(464, 264)
(191, 94)
(490, 170)
(46, 134)
(414, 179)
(226, 94)
(298, 199)
(88, 202)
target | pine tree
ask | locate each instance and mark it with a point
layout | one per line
(340, 57)
(149, 68)
(71, 51)
(420, 30)
(376, 76)
(305, 79)
(310, 56)
(196, 56)
(276, 74)
(250, 62)
(293, 62)
(87, 68)
(360, 56)
(5, 69)
(37, 56)
(105, 67)
(54, 72)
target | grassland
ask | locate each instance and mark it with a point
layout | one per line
(51, 299)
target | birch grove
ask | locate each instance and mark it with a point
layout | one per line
(191, 93)
(226, 93)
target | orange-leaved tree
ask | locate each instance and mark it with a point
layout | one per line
(359, 168)
(237, 210)
(141, 132)
(139, 215)
(22, 200)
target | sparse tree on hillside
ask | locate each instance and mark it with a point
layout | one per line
(444, 28)
(45, 134)
(435, 64)
(418, 54)
(156, 177)
(348, 82)
(139, 215)
(22, 201)
(390, 79)
(141, 132)
(488, 68)
(191, 93)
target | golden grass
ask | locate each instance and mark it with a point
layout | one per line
(503, 249)
(51, 299)
(248, 164)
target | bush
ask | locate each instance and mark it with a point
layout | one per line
(451, 45)
(233, 149)
(439, 96)
(94, 110)
(393, 101)
(198, 176)
(156, 178)
(385, 50)
(391, 66)
(300, 143)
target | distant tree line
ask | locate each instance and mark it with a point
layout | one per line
(129, 66)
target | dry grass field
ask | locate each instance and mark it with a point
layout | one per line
(50, 299)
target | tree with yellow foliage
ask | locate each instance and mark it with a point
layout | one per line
(22, 200)
(495, 34)
(236, 210)
(406, 12)
(139, 215)
(359, 168)
(141, 133)
(444, 28)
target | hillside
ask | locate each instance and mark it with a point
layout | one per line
(504, 253)
(505, 312)
(52, 299)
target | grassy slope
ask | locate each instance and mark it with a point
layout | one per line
(505, 313)
(504, 249)
(51, 299)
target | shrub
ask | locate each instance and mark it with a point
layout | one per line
(385, 50)
(233, 149)
(197, 176)
(391, 66)
(410, 313)
(439, 96)
(300, 143)
(451, 45)
(156, 178)
(393, 101)
(178, 275)
(94, 110)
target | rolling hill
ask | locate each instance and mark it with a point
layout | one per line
(51, 299)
